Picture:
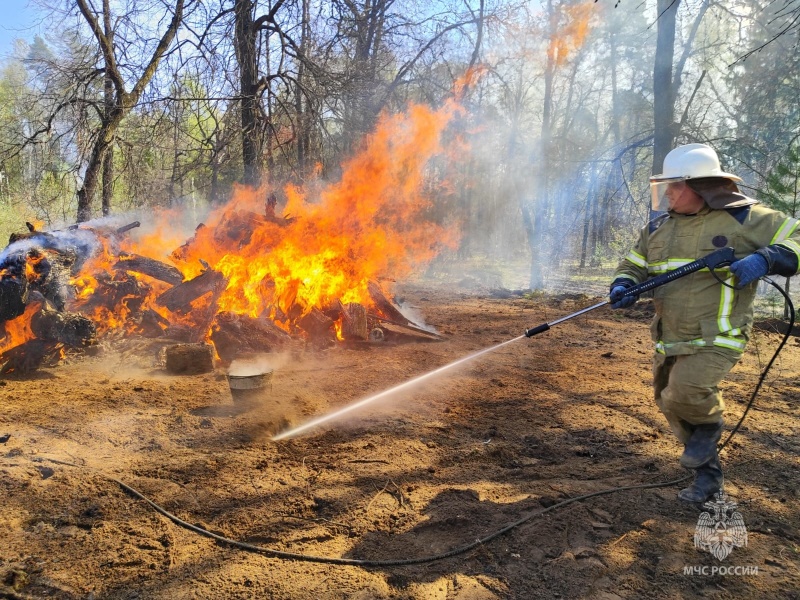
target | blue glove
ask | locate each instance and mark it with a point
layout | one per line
(749, 269)
(617, 298)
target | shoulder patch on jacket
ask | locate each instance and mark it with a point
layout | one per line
(740, 213)
(657, 222)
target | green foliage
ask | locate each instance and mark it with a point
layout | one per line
(783, 183)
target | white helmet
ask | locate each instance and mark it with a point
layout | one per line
(692, 161)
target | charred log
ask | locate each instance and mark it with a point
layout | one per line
(182, 252)
(150, 267)
(181, 333)
(185, 293)
(70, 328)
(239, 335)
(190, 359)
(117, 291)
(128, 227)
(12, 298)
(238, 227)
(317, 325)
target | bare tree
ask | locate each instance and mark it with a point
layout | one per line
(122, 101)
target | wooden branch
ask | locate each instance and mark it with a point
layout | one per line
(150, 267)
(129, 100)
(409, 330)
(106, 47)
(269, 17)
(184, 293)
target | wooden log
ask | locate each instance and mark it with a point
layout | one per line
(189, 359)
(317, 325)
(239, 335)
(354, 322)
(127, 227)
(72, 329)
(384, 307)
(150, 267)
(183, 294)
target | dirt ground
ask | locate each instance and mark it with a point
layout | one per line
(434, 468)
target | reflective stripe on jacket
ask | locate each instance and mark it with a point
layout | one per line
(696, 311)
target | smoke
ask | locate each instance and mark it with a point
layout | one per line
(413, 314)
(82, 242)
(256, 364)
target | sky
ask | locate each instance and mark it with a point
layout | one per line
(18, 19)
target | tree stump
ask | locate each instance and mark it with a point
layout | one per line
(354, 322)
(190, 359)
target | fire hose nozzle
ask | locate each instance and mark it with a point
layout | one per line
(538, 329)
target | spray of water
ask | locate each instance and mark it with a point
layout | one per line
(360, 403)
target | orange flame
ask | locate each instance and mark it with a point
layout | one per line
(572, 35)
(18, 330)
(372, 224)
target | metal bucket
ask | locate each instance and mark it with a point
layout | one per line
(249, 387)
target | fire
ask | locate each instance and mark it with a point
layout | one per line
(324, 250)
(571, 35)
(372, 224)
(33, 265)
(18, 331)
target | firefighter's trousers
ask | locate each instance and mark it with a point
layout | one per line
(687, 387)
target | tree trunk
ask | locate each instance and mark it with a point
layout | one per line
(123, 101)
(252, 122)
(541, 166)
(663, 89)
(108, 109)
(301, 105)
(90, 178)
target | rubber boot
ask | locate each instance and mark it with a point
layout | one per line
(702, 445)
(707, 482)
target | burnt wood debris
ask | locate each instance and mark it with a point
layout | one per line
(39, 296)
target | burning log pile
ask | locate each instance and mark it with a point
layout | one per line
(248, 280)
(62, 290)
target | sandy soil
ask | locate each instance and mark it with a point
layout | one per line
(563, 414)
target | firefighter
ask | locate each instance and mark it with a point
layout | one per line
(701, 326)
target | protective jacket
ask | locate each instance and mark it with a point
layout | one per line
(696, 311)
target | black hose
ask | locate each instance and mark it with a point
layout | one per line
(763, 375)
(399, 562)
